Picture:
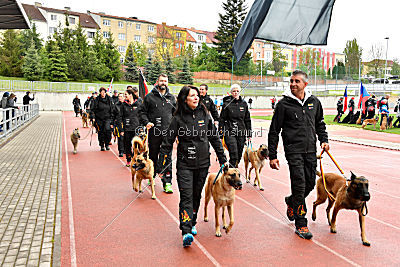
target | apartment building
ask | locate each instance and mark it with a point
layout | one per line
(47, 20)
(199, 38)
(171, 40)
(126, 30)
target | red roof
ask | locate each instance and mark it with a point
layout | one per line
(33, 12)
(123, 18)
(189, 37)
(85, 20)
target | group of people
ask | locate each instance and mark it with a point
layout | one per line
(192, 119)
(10, 101)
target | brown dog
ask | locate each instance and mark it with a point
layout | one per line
(223, 192)
(359, 120)
(384, 123)
(143, 169)
(371, 121)
(75, 138)
(85, 120)
(390, 122)
(351, 197)
(258, 159)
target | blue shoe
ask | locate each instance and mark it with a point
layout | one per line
(187, 240)
(194, 230)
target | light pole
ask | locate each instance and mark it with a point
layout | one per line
(261, 62)
(384, 76)
(315, 70)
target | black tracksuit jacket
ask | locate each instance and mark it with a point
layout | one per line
(299, 124)
(234, 116)
(209, 103)
(102, 108)
(116, 116)
(157, 109)
(194, 130)
(129, 116)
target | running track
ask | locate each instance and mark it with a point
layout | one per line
(96, 187)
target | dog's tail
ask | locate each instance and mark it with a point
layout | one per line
(318, 173)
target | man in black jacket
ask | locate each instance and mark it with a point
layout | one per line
(235, 124)
(115, 97)
(370, 104)
(339, 108)
(156, 114)
(117, 123)
(300, 117)
(77, 105)
(26, 99)
(208, 102)
(102, 109)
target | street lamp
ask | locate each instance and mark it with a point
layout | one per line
(262, 62)
(384, 76)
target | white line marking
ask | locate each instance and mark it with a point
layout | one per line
(382, 222)
(70, 211)
(201, 247)
(389, 195)
(313, 240)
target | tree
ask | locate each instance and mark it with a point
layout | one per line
(376, 53)
(32, 67)
(396, 67)
(278, 59)
(29, 36)
(307, 60)
(353, 54)
(10, 55)
(185, 77)
(339, 71)
(206, 59)
(140, 53)
(58, 67)
(229, 25)
(131, 72)
(112, 60)
(170, 70)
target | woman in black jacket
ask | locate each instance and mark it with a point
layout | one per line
(194, 129)
(102, 109)
(130, 122)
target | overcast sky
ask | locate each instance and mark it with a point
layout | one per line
(369, 21)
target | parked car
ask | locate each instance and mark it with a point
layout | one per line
(381, 80)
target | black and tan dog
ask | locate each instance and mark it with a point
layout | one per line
(143, 169)
(223, 192)
(75, 138)
(258, 160)
(370, 121)
(390, 122)
(351, 197)
(85, 120)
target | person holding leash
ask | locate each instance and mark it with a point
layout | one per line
(299, 115)
(117, 123)
(102, 109)
(193, 127)
(235, 124)
(77, 105)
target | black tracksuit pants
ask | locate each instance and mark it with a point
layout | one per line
(128, 136)
(190, 183)
(371, 114)
(104, 132)
(121, 144)
(154, 150)
(235, 146)
(302, 169)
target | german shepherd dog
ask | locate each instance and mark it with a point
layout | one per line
(390, 122)
(75, 138)
(384, 123)
(351, 197)
(223, 193)
(258, 159)
(144, 169)
(372, 121)
(85, 119)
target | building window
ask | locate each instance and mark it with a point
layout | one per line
(258, 55)
(138, 25)
(151, 51)
(178, 35)
(121, 49)
(150, 28)
(121, 36)
(71, 20)
(120, 24)
(150, 40)
(137, 38)
(106, 22)
(164, 45)
(52, 30)
(106, 34)
(53, 17)
(121, 60)
(200, 37)
(90, 35)
(177, 45)
(258, 45)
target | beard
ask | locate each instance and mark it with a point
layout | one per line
(163, 87)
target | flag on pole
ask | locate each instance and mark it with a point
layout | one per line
(143, 91)
(364, 95)
(345, 100)
(109, 89)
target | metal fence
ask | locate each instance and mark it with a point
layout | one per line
(11, 118)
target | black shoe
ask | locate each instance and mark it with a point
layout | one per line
(107, 148)
(303, 232)
(102, 148)
(289, 210)
(121, 154)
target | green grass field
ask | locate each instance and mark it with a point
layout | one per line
(329, 121)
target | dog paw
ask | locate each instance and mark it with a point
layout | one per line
(247, 181)
(366, 243)
(206, 219)
(333, 231)
(262, 188)
(225, 227)
(218, 234)
(153, 197)
(227, 230)
(135, 189)
(254, 184)
(140, 191)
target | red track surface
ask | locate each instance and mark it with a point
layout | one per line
(147, 234)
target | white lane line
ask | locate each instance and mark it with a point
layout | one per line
(201, 247)
(70, 210)
(385, 223)
(313, 240)
(383, 193)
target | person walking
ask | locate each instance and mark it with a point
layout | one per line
(397, 110)
(77, 105)
(194, 129)
(339, 108)
(102, 109)
(208, 102)
(117, 123)
(115, 97)
(299, 115)
(273, 102)
(156, 114)
(235, 124)
(130, 122)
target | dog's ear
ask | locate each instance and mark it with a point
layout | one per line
(353, 176)
(145, 155)
(226, 168)
(261, 146)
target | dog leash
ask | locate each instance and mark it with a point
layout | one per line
(219, 172)
(87, 133)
